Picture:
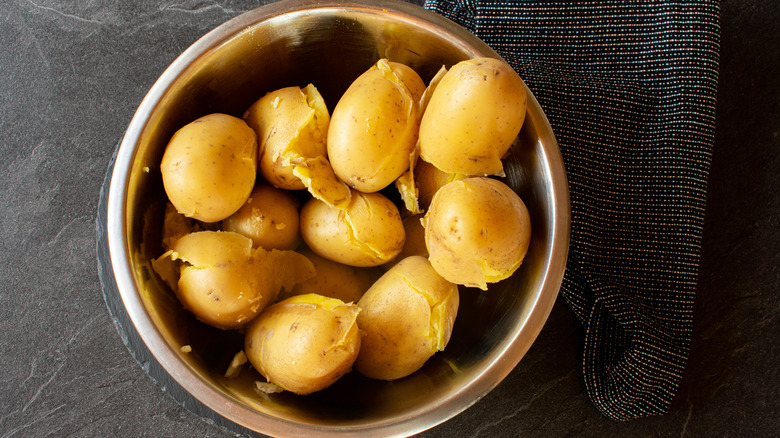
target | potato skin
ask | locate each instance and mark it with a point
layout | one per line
(304, 343)
(209, 167)
(473, 116)
(374, 126)
(470, 244)
(369, 232)
(405, 318)
(269, 217)
(334, 280)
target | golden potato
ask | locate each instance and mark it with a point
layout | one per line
(334, 280)
(429, 179)
(225, 283)
(374, 126)
(209, 167)
(269, 217)
(304, 343)
(415, 240)
(477, 231)
(405, 318)
(290, 123)
(473, 116)
(369, 232)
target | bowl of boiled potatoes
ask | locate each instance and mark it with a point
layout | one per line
(338, 218)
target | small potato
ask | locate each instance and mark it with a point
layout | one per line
(429, 179)
(334, 280)
(269, 217)
(415, 240)
(405, 318)
(304, 343)
(474, 115)
(369, 232)
(374, 126)
(209, 167)
(290, 123)
(225, 283)
(477, 231)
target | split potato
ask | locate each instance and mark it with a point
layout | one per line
(470, 244)
(405, 318)
(305, 343)
(474, 115)
(369, 232)
(374, 126)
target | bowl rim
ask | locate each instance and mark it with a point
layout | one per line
(120, 252)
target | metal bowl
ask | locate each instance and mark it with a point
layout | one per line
(295, 42)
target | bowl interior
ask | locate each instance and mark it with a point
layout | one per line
(293, 43)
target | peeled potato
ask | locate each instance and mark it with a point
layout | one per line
(474, 114)
(305, 343)
(369, 232)
(405, 318)
(269, 217)
(209, 167)
(374, 126)
(477, 231)
(225, 283)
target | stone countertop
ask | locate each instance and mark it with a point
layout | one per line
(71, 77)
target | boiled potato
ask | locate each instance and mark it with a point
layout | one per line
(269, 217)
(225, 283)
(290, 122)
(304, 343)
(334, 280)
(429, 179)
(405, 318)
(415, 240)
(474, 115)
(369, 232)
(374, 126)
(477, 231)
(209, 167)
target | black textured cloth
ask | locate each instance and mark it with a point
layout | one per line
(630, 90)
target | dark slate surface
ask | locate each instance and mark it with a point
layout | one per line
(71, 76)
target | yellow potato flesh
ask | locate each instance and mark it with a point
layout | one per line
(291, 123)
(304, 343)
(477, 231)
(369, 232)
(209, 167)
(269, 217)
(474, 115)
(374, 126)
(405, 318)
(225, 283)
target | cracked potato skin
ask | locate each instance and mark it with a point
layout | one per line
(474, 115)
(405, 318)
(304, 343)
(369, 232)
(375, 125)
(477, 231)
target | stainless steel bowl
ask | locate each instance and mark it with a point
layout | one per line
(296, 42)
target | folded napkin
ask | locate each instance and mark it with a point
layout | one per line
(630, 90)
